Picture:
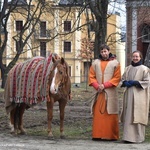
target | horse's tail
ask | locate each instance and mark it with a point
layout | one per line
(16, 116)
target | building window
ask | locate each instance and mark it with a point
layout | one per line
(42, 1)
(67, 25)
(19, 25)
(43, 49)
(146, 33)
(43, 29)
(18, 44)
(69, 71)
(67, 46)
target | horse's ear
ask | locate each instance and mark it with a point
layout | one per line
(62, 60)
(53, 60)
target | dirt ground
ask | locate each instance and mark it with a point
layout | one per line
(77, 126)
(77, 115)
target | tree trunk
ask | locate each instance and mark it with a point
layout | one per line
(99, 9)
(4, 76)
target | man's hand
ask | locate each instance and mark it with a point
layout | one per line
(101, 88)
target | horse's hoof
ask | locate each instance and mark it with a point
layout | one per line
(62, 137)
(51, 138)
(22, 133)
(13, 133)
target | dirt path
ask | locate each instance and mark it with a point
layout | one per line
(7, 142)
(77, 119)
(41, 142)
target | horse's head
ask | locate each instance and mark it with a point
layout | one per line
(58, 75)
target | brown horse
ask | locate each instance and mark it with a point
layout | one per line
(57, 88)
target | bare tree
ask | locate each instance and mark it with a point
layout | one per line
(86, 53)
(32, 14)
(32, 19)
(99, 9)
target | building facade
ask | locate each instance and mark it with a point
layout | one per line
(138, 27)
(57, 32)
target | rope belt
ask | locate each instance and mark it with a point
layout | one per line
(94, 99)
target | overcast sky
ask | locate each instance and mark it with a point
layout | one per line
(121, 8)
(117, 6)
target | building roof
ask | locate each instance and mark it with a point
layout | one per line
(123, 36)
(71, 2)
(19, 2)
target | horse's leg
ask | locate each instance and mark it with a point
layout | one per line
(16, 119)
(50, 117)
(20, 121)
(12, 120)
(62, 105)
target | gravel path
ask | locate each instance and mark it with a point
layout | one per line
(9, 142)
(74, 113)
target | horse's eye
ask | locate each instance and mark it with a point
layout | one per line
(60, 72)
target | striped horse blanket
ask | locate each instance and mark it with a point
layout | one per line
(28, 82)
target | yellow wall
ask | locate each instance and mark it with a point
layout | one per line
(55, 22)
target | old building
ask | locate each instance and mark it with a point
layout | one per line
(58, 32)
(138, 27)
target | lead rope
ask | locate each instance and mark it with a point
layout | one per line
(93, 99)
(102, 102)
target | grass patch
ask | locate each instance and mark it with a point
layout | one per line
(70, 132)
(75, 127)
(147, 132)
(37, 132)
(1, 90)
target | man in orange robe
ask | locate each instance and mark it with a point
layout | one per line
(104, 76)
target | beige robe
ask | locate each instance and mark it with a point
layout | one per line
(135, 104)
(111, 75)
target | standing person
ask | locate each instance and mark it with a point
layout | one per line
(104, 76)
(135, 111)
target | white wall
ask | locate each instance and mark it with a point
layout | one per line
(120, 52)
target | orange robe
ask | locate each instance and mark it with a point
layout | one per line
(105, 126)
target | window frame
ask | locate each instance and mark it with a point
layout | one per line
(43, 49)
(69, 70)
(146, 30)
(67, 26)
(43, 28)
(67, 46)
(18, 25)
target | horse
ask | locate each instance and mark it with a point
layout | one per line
(32, 82)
